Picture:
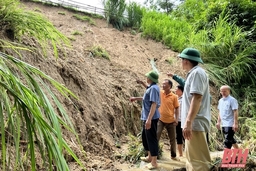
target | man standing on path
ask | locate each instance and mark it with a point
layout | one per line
(150, 116)
(195, 112)
(228, 116)
(169, 106)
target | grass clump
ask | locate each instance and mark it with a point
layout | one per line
(100, 52)
(76, 33)
(61, 13)
(84, 18)
(136, 149)
(20, 22)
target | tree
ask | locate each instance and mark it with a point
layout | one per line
(162, 5)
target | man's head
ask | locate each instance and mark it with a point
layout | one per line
(152, 76)
(167, 84)
(225, 90)
(190, 58)
(179, 90)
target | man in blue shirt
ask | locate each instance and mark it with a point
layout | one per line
(228, 117)
(150, 116)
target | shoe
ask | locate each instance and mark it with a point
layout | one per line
(175, 158)
(145, 159)
(151, 167)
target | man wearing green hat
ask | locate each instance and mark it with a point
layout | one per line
(150, 116)
(195, 111)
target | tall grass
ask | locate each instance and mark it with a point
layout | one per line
(22, 22)
(28, 116)
(135, 14)
(173, 32)
(31, 116)
(114, 13)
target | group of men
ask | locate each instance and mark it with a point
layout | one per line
(185, 115)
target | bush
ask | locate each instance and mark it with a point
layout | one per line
(114, 13)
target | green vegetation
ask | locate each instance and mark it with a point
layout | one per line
(31, 116)
(18, 22)
(61, 13)
(98, 51)
(114, 13)
(135, 14)
(37, 10)
(84, 18)
(76, 33)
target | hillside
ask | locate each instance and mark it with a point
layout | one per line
(103, 87)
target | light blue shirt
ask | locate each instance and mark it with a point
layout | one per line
(197, 82)
(152, 94)
(226, 108)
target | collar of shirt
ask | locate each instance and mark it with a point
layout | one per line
(225, 98)
(192, 70)
(150, 85)
(169, 94)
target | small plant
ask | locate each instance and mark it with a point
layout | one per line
(72, 38)
(37, 10)
(100, 52)
(136, 149)
(84, 18)
(61, 13)
(169, 60)
(76, 33)
(133, 32)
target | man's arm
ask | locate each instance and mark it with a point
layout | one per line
(177, 78)
(132, 99)
(218, 121)
(177, 113)
(193, 111)
(235, 126)
(142, 83)
(150, 115)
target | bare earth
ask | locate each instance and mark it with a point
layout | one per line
(103, 87)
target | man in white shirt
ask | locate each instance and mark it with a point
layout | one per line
(195, 112)
(228, 117)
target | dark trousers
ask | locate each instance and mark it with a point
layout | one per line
(229, 137)
(179, 134)
(149, 138)
(171, 130)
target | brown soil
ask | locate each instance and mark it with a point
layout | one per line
(103, 87)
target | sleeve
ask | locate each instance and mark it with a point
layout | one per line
(179, 80)
(176, 102)
(234, 104)
(154, 95)
(198, 83)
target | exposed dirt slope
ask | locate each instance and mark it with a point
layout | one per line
(103, 86)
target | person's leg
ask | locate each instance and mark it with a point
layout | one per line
(160, 127)
(151, 135)
(179, 138)
(171, 130)
(197, 152)
(145, 144)
(235, 145)
(228, 137)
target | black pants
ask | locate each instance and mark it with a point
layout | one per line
(228, 133)
(149, 138)
(179, 135)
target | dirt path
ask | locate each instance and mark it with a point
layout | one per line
(165, 163)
